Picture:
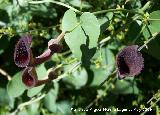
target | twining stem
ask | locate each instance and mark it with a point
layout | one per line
(118, 9)
(151, 106)
(152, 19)
(21, 106)
(146, 6)
(149, 40)
(55, 2)
(157, 97)
(68, 72)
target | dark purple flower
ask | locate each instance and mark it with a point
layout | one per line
(29, 77)
(129, 61)
(22, 53)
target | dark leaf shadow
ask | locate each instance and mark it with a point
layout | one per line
(87, 53)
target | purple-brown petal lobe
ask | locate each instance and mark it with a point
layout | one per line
(22, 51)
(29, 77)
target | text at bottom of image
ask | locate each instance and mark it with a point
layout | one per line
(115, 109)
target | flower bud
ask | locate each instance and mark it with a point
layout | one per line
(55, 46)
(22, 52)
(129, 61)
(29, 77)
(52, 74)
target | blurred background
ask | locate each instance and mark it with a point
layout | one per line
(80, 85)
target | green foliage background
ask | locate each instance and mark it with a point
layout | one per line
(97, 31)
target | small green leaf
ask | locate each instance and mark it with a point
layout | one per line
(15, 87)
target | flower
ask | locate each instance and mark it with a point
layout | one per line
(129, 61)
(29, 77)
(22, 52)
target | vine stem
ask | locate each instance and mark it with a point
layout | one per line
(4, 73)
(118, 9)
(21, 106)
(148, 41)
(151, 106)
(68, 72)
(55, 2)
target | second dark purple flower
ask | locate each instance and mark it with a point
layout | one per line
(129, 61)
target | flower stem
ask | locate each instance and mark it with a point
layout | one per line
(55, 2)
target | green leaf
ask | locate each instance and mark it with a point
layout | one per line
(41, 72)
(50, 98)
(126, 86)
(15, 87)
(105, 21)
(77, 79)
(107, 61)
(64, 107)
(133, 30)
(155, 20)
(153, 48)
(75, 40)
(154, 24)
(5, 99)
(82, 40)
(91, 28)
(69, 20)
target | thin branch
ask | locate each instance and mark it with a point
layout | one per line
(68, 72)
(21, 106)
(105, 40)
(152, 19)
(55, 2)
(151, 106)
(4, 73)
(156, 97)
(115, 10)
(148, 41)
